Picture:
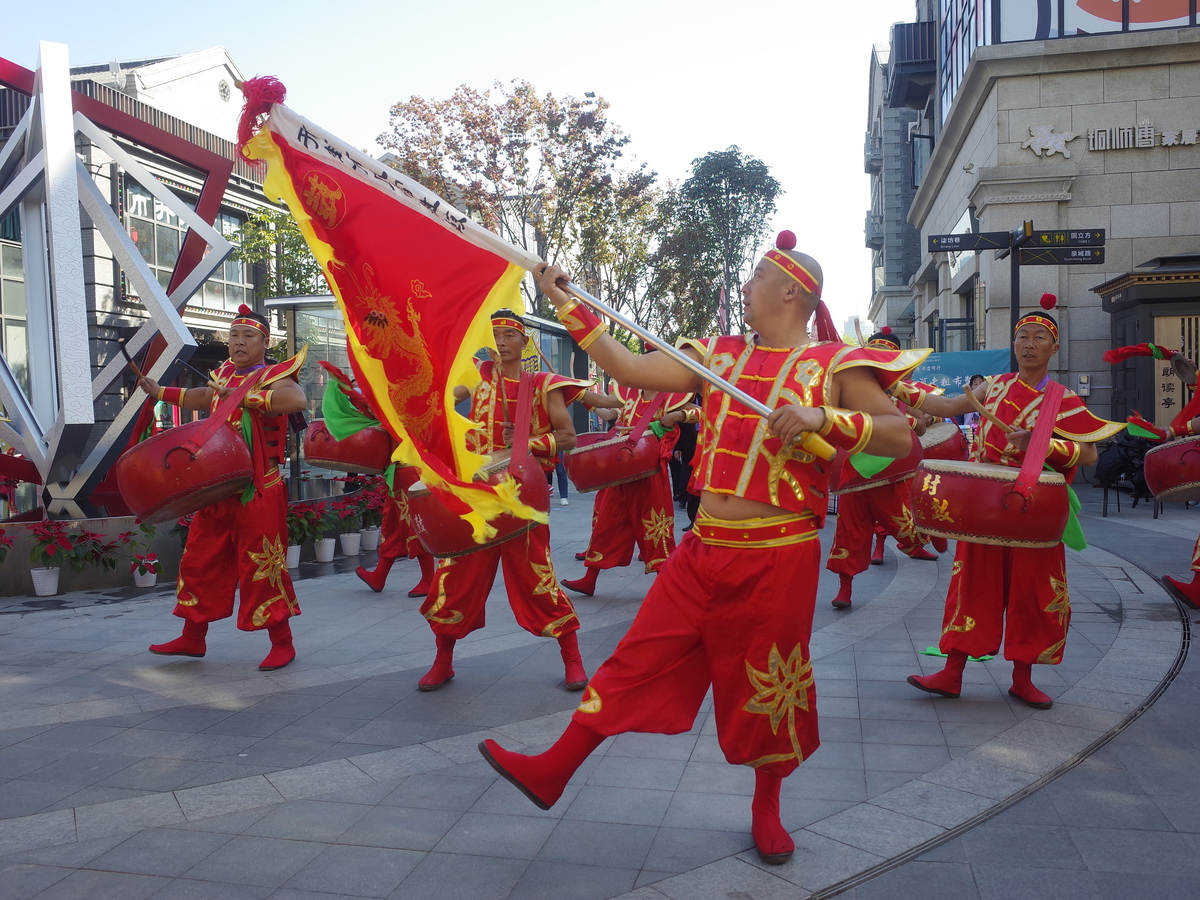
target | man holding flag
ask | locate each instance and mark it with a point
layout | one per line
(732, 608)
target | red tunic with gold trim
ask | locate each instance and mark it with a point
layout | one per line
(733, 605)
(239, 547)
(861, 515)
(455, 605)
(1015, 594)
(640, 512)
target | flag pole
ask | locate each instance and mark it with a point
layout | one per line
(809, 441)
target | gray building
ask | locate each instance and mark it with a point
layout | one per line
(1080, 117)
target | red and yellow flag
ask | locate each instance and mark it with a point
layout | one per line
(416, 281)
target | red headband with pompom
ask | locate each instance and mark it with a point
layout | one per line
(787, 241)
(1047, 302)
(243, 318)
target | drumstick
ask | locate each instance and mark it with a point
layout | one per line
(129, 359)
(983, 411)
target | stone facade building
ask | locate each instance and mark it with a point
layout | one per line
(1034, 120)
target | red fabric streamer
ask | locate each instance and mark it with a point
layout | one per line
(1120, 354)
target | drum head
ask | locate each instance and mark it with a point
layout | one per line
(938, 432)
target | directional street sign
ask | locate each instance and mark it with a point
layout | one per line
(958, 243)
(1087, 237)
(1060, 256)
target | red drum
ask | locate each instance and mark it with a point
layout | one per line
(170, 475)
(1172, 470)
(368, 451)
(601, 461)
(978, 502)
(446, 534)
(846, 480)
(944, 440)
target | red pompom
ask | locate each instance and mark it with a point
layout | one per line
(785, 241)
(886, 329)
(244, 310)
(260, 92)
(1048, 301)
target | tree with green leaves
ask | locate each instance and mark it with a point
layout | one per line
(714, 227)
(270, 238)
(531, 167)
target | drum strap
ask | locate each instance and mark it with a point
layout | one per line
(224, 408)
(520, 445)
(1039, 440)
(647, 416)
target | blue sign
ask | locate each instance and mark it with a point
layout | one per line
(953, 370)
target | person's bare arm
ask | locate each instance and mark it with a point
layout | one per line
(653, 371)
(193, 398)
(560, 421)
(856, 388)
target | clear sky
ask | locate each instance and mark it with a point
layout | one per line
(785, 80)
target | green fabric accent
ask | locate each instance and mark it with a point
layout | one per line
(389, 475)
(934, 651)
(867, 465)
(248, 436)
(1073, 533)
(1155, 351)
(1139, 431)
(342, 417)
(659, 429)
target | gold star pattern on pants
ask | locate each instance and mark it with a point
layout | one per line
(781, 690)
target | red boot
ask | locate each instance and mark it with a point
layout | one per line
(877, 554)
(1187, 592)
(576, 674)
(946, 683)
(775, 845)
(842, 600)
(544, 777)
(940, 544)
(1023, 689)
(190, 643)
(585, 585)
(428, 566)
(919, 552)
(282, 651)
(443, 666)
(375, 580)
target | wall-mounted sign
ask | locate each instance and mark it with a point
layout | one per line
(1140, 136)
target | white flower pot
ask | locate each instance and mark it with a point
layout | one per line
(325, 549)
(293, 555)
(45, 581)
(349, 543)
(369, 538)
(148, 579)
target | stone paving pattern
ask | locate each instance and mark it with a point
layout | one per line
(127, 775)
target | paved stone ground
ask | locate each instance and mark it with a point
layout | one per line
(128, 775)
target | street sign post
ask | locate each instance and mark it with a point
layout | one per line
(1060, 256)
(1026, 247)
(962, 243)
(1088, 237)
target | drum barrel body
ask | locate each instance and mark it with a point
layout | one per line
(847, 480)
(1172, 470)
(446, 534)
(168, 476)
(600, 460)
(944, 440)
(979, 503)
(368, 451)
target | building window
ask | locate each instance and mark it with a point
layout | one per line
(159, 235)
(13, 341)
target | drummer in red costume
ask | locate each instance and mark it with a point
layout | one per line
(455, 605)
(641, 512)
(733, 606)
(239, 544)
(1185, 424)
(878, 511)
(398, 539)
(1017, 595)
